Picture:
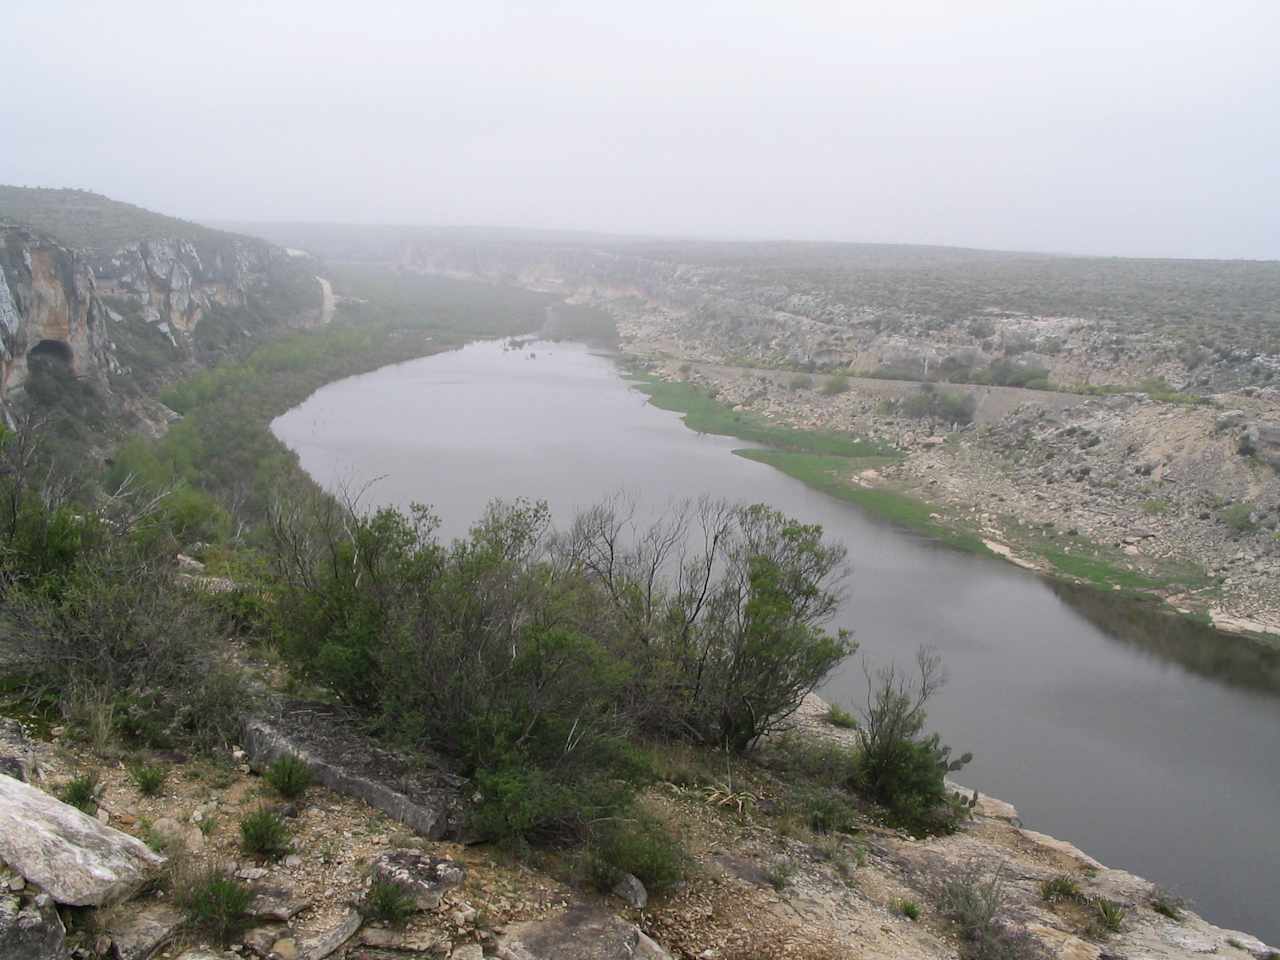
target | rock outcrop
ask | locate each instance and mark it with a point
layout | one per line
(71, 856)
(49, 308)
(31, 929)
(582, 933)
(419, 792)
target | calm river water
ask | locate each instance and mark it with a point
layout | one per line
(1149, 742)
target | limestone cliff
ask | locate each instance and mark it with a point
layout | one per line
(129, 300)
(49, 308)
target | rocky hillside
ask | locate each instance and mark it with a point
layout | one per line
(126, 300)
(905, 312)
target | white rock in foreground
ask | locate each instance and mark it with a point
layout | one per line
(74, 858)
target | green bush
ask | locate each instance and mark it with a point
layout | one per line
(289, 776)
(908, 908)
(837, 716)
(81, 792)
(1239, 517)
(388, 903)
(827, 810)
(640, 846)
(835, 385)
(215, 904)
(949, 406)
(264, 834)
(526, 804)
(148, 778)
(899, 767)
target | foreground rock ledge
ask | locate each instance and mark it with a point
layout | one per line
(417, 791)
(74, 858)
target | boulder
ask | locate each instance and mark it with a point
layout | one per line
(631, 891)
(31, 929)
(276, 903)
(424, 877)
(144, 928)
(328, 942)
(583, 933)
(72, 856)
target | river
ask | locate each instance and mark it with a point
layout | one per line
(1150, 742)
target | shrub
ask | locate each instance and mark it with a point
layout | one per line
(264, 834)
(801, 381)
(908, 908)
(928, 402)
(641, 847)
(779, 873)
(81, 792)
(973, 901)
(1239, 517)
(289, 776)
(519, 805)
(1059, 888)
(215, 904)
(837, 716)
(835, 385)
(388, 903)
(148, 778)
(828, 811)
(1168, 905)
(899, 767)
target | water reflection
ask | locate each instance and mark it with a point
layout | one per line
(1147, 626)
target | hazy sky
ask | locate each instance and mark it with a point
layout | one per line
(1146, 128)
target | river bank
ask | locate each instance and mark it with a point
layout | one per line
(1115, 492)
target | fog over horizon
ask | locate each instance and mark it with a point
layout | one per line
(1116, 128)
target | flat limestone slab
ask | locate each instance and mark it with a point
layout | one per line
(417, 791)
(74, 858)
(582, 933)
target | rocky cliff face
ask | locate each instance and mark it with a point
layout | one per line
(137, 311)
(49, 309)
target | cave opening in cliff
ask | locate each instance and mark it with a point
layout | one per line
(55, 354)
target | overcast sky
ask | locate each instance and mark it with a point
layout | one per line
(1137, 128)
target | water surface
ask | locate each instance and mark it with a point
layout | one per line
(1150, 742)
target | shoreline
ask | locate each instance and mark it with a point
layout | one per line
(865, 486)
(997, 831)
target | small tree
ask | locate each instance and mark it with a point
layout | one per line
(899, 767)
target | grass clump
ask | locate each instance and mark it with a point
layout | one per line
(1110, 916)
(289, 776)
(1060, 887)
(215, 903)
(148, 778)
(908, 908)
(1168, 905)
(81, 792)
(264, 834)
(778, 874)
(388, 903)
(972, 901)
